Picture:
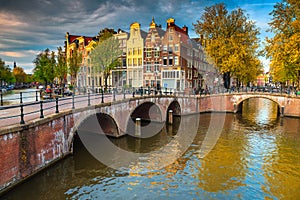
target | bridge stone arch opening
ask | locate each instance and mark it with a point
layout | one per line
(176, 109)
(99, 123)
(151, 118)
(239, 105)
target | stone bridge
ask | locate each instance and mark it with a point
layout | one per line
(27, 149)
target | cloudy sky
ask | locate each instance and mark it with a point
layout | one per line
(29, 26)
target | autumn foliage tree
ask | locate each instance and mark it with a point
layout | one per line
(19, 75)
(231, 42)
(284, 48)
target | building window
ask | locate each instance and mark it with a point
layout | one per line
(148, 67)
(176, 60)
(165, 61)
(152, 83)
(165, 48)
(148, 53)
(156, 66)
(170, 37)
(170, 60)
(176, 48)
(170, 49)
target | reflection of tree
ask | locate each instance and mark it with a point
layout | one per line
(222, 168)
(281, 167)
(258, 113)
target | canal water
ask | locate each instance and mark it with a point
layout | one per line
(13, 96)
(253, 155)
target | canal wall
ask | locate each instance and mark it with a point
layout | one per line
(25, 150)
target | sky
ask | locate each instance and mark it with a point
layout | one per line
(28, 27)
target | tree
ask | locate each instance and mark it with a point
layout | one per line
(44, 66)
(20, 75)
(104, 57)
(104, 34)
(284, 48)
(5, 73)
(74, 61)
(61, 68)
(231, 42)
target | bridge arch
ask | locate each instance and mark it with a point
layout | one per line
(150, 114)
(94, 122)
(239, 103)
(175, 107)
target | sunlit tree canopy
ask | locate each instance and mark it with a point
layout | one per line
(231, 41)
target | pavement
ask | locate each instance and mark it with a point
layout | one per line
(10, 115)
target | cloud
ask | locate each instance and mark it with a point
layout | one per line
(39, 24)
(12, 54)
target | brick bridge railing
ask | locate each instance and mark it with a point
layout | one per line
(27, 148)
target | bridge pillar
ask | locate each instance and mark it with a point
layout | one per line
(170, 120)
(234, 108)
(138, 127)
(282, 111)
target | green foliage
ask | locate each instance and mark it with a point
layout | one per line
(44, 66)
(5, 73)
(61, 68)
(104, 57)
(231, 41)
(74, 61)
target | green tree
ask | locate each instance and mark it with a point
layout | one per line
(6, 75)
(231, 42)
(61, 68)
(104, 57)
(44, 66)
(74, 62)
(284, 48)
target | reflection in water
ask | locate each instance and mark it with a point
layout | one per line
(256, 157)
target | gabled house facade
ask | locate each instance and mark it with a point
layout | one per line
(135, 56)
(152, 56)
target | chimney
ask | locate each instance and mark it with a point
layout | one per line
(185, 29)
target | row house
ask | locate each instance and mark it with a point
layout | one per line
(84, 45)
(152, 56)
(119, 74)
(158, 59)
(135, 55)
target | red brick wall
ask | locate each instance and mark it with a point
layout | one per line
(26, 151)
